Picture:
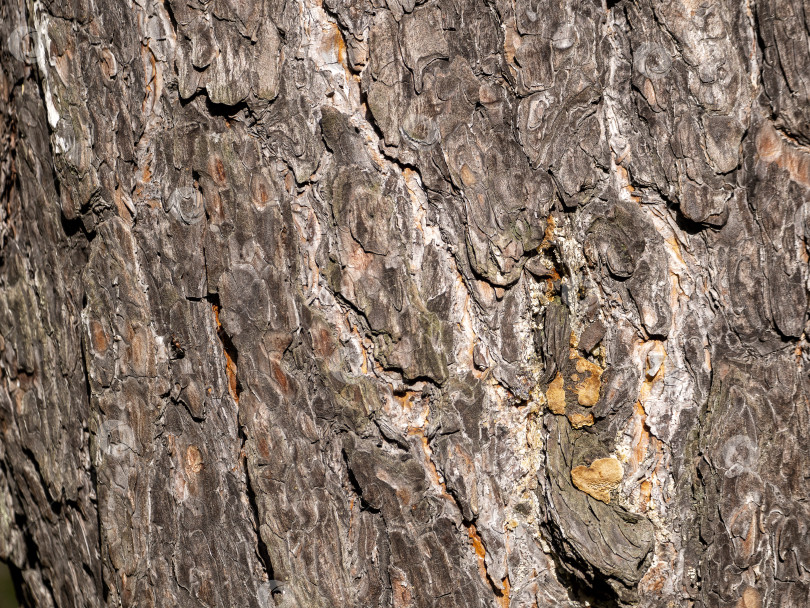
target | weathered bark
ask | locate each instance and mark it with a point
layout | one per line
(398, 303)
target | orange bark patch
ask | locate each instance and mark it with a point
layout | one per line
(480, 551)
(772, 147)
(340, 46)
(749, 544)
(230, 370)
(588, 390)
(501, 595)
(548, 235)
(649, 93)
(403, 496)
(623, 175)
(358, 258)
(578, 420)
(322, 342)
(98, 336)
(769, 145)
(641, 437)
(146, 175)
(504, 598)
(478, 544)
(280, 377)
(467, 176)
(217, 170)
(194, 460)
(511, 42)
(555, 395)
(431, 467)
(401, 590)
(405, 401)
(598, 479)
(751, 598)
(263, 446)
(646, 492)
(230, 363)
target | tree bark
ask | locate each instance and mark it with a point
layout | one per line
(456, 303)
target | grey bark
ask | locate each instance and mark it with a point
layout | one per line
(456, 303)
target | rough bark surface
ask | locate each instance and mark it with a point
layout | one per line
(455, 303)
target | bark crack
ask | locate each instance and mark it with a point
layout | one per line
(261, 546)
(229, 351)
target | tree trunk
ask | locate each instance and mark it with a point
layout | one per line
(372, 303)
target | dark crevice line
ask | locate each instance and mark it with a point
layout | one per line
(595, 592)
(229, 350)
(355, 485)
(231, 356)
(261, 546)
(384, 572)
(98, 576)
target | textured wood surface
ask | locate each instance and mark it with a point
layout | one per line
(373, 303)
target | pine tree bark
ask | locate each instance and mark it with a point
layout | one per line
(380, 303)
